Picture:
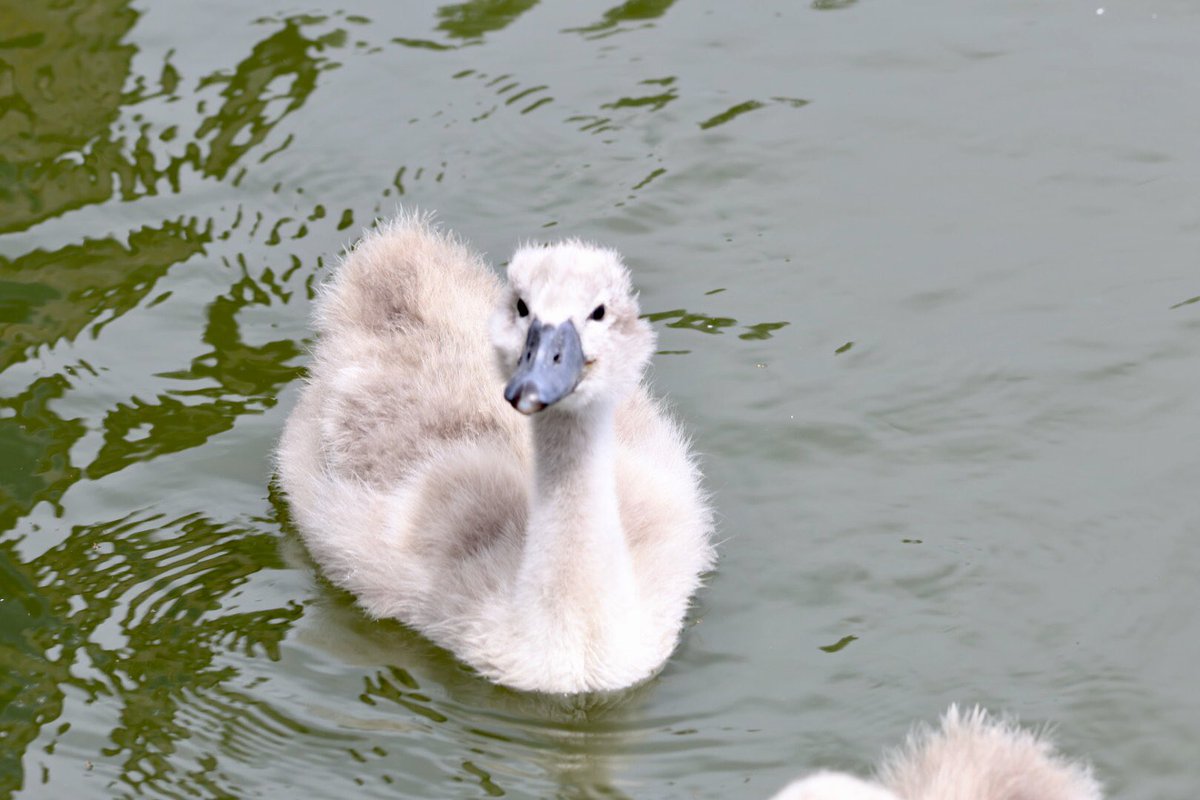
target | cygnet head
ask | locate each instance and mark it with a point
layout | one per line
(567, 332)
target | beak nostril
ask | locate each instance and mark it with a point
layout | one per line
(548, 369)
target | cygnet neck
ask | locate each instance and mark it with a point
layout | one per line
(573, 450)
(574, 536)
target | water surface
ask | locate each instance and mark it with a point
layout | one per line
(925, 280)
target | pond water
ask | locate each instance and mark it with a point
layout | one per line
(926, 281)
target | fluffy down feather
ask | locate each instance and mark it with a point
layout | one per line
(972, 756)
(556, 552)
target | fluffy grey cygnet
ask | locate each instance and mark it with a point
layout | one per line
(972, 756)
(544, 521)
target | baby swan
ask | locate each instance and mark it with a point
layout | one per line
(554, 549)
(971, 757)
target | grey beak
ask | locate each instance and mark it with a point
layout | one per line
(550, 367)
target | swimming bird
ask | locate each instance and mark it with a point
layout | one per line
(973, 756)
(482, 460)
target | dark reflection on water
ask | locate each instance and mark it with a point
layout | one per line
(137, 615)
(239, 379)
(526, 95)
(284, 66)
(475, 19)
(654, 102)
(63, 69)
(730, 113)
(1187, 302)
(35, 444)
(164, 584)
(67, 82)
(631, 11)
(53, 296)
(703, 323)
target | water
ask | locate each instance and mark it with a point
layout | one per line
(926, 287)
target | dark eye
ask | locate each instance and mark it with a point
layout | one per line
(522, 309)
(598, 314)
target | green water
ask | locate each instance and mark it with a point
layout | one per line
(925, 277)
